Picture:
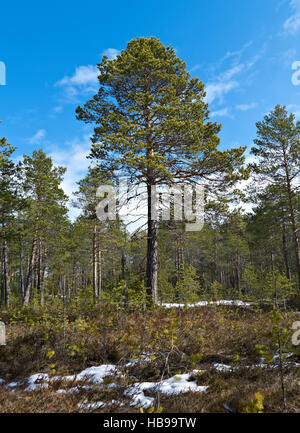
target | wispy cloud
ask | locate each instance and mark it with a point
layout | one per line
(84, 80)
(292, 24)
(73, 156)
(246, 107)
(84, 75)
(288, 56)
(217, 90)
(37, 138)
(57, 109)
(111, 53)
(236, 54)
(220, 113)
(229, 79)
(295, 109)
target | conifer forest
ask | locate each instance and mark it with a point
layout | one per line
(154, 269)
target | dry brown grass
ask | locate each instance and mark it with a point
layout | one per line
(194, 339)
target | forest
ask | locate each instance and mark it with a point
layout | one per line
(101, 317)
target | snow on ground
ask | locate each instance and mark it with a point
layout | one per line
(262, 364)
(86, 405)
(33, 382)
(95, 374)
(172, 386)
(180, 383)
(235, 303)
(222, 367)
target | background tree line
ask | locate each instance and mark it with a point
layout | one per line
(151, 121)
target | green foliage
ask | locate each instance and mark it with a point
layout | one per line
(256, 404)
(188, 286)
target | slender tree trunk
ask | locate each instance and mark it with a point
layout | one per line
(42, 277)
(215, 266)
(152, 229)
(238, 273)
(285, 252)
(179, 259)
(5, 298)
(74, 277)
(21, 273)
(39, 267)
(295, 239)
(99, 272)
(95, 262)
(292, 216)
(152, 256)
(29, 278)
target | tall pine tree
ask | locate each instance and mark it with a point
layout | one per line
(151, 121)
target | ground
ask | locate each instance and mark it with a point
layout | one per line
(207, 358)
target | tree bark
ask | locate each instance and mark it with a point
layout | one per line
(21, 273)
(292, 216)
(285, 252)
(95, 262)
(152, 264)
(99, 272)
(30, 270)
(5, 298)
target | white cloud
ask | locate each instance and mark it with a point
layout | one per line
(295, 109)
(246, 107)
(57, 109)
(289, 56)
(230, 73)
(73, 156)
(37, 137)
(292, 24)
(220, 113)
(84, 80)
(111, 53)
(217, 90)
(84, 75)
(227, 81)
(238, 53)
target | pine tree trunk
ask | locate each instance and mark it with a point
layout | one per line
(21, 274)
(152, 264)
(99, 273)
(215, 266)
(238, 274)
(296, 243)
(74, 279)
(5, 283)
(42, 270)
(29, 278)
(95, 260)
(39, 267)
(293, 219)
(285, 252)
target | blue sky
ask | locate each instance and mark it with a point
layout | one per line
(242, 50)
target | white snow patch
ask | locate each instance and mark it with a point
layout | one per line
(235, 303)
(172, 386)
(33, 382)
(94, 374)
(86, 405)
(222, 367)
